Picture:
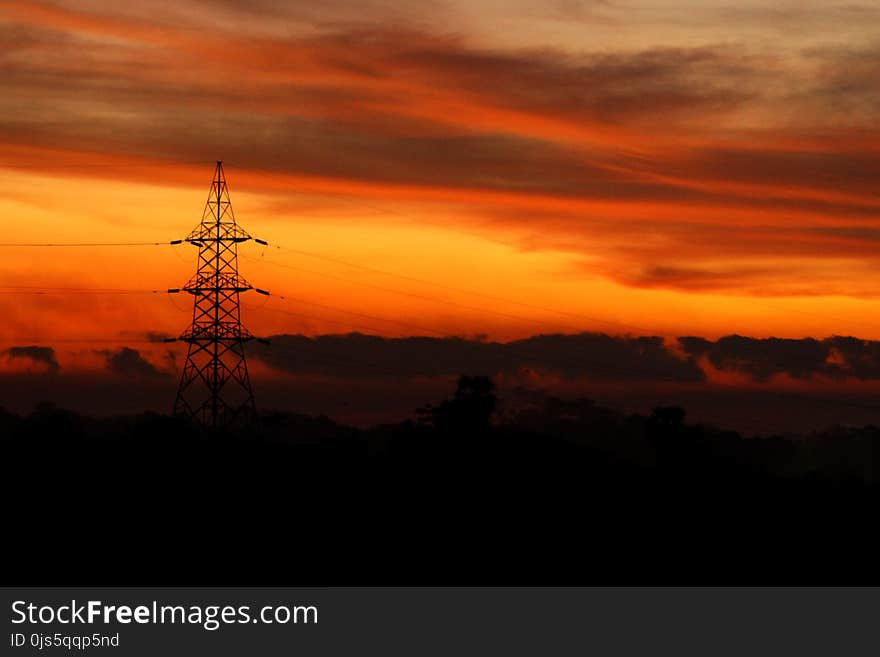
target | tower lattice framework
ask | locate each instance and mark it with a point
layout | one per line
(215, 388)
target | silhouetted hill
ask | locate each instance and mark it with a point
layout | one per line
(540, 490)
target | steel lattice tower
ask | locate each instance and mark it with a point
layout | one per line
(215, 388)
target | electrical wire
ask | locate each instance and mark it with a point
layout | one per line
(77, 244)
(520, 349)
(49, 166)
(39, 290)
(643, 329)
(422, 297)
(460, 290)
(92, 340)
(517, 347)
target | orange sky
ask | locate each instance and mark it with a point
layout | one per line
(502, 169)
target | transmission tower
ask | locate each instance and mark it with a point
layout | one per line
(215, 388)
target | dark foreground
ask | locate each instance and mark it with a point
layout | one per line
(552, 493)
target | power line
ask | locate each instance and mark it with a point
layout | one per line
(98, 165)
(414, 279)
(644, 330)
(514, 346)
(461, 290)
(92, 340)
(78, 244)
(602, 367)
(523, 350)
(305, 316)
(356, 314)
(420, 296)
(39, 290)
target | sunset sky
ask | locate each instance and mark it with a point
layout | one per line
(491, 168)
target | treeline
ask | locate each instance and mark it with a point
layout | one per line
(473, 490)
(473, 421)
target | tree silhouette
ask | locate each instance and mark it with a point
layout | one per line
(667, 418)
(469, 410)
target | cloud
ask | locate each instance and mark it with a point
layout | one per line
(156, 336)
(129, 362)
(837, 357)
(37, 354)
(587, 355)
(690, 278)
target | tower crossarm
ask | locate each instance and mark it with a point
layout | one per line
(207, 282)
(231, 333)
(208, 233)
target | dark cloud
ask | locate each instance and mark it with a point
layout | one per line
(37, 354)
(614, 88)
(357, 129)
(130, 363)
(591, 356)
(155, 336)
(839, 87)
(349, 125)
(836, 357)
(587, 355)
(853, 169)
(866, 233)
(689, 278)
